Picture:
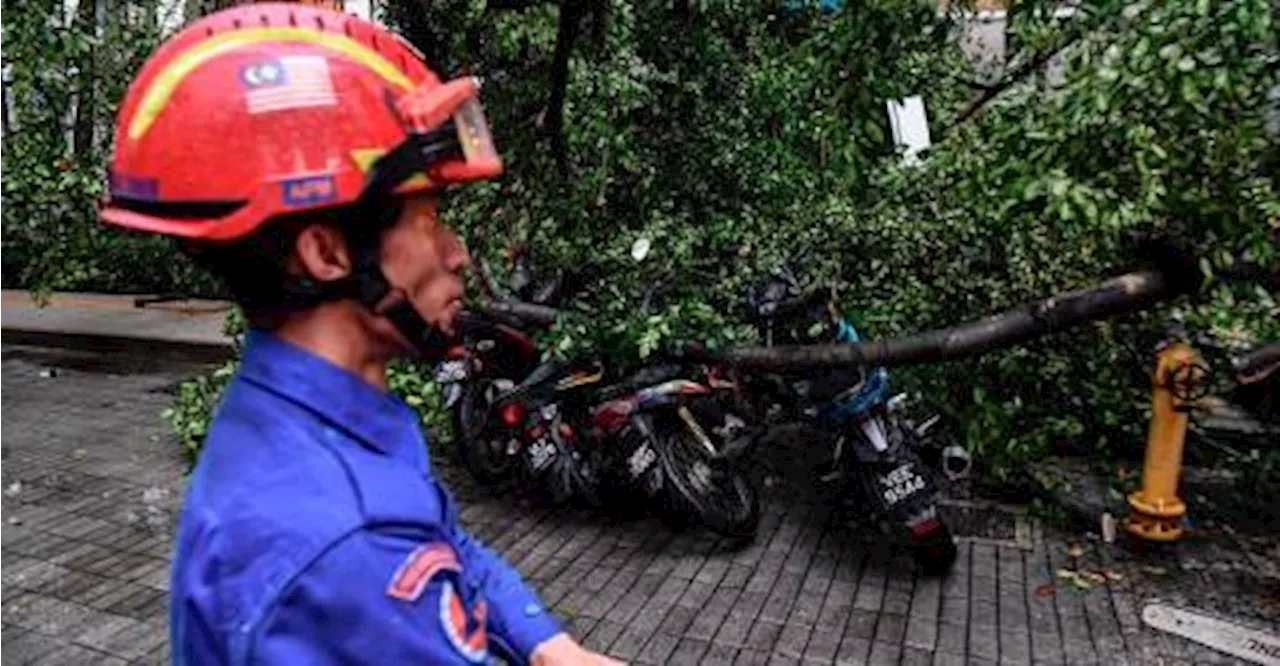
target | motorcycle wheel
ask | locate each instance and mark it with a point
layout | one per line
(934, 551)
(725, 500)
(482, 453)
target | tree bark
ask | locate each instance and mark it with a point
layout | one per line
(82, 133)
(571, 13)
(1126, 293)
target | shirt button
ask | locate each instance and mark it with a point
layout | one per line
(532, 610)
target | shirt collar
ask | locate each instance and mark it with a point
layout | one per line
(374, 417)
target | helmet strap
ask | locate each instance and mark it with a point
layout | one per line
(368, 284)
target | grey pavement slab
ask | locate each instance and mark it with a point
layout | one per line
(92, 488)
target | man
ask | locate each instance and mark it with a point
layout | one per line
(298, 152)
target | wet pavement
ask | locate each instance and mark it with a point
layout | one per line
(92, 480)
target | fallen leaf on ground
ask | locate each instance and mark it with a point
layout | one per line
(1074, 550)
(1045, 590)
(1078, 581)
(1155, 571)
(1094, 577)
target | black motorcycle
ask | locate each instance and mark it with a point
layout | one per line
(655, 439)
(872, 466)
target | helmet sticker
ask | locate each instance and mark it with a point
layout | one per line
(128, 186)
(289, 82)
(309, 191)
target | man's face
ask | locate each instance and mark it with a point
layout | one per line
(425, 258)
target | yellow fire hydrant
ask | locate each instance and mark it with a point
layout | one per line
(1175, 385)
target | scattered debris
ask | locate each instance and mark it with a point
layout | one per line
(1086, 580)
(1154, 570)
(1074, 550)
(15, 521)
(49, 373)
(1108, 528)
(1259, 647)
(1077, 579)
(13, 489)
(1046, 590)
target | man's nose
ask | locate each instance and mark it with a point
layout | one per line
(459, 258)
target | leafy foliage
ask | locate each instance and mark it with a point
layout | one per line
(730, 137)
(68, 72)
(737, 138)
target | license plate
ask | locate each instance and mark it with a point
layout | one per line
(541, 453)
(900, 484)
(451, 371)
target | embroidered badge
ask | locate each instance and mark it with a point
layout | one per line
(464, 630)
(417, 570)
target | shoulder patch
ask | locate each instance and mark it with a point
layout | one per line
(417, 570)
(464, 630)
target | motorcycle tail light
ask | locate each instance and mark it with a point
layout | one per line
(924, 527)
(512, 414)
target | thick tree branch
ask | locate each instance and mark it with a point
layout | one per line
(512, 5)
(1126, 293)
(571, 12)
(986, 93)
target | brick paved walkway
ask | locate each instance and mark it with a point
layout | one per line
(92, 481)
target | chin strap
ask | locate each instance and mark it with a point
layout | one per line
(369, 287)
(376, 211)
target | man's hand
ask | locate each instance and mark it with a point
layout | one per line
(560, 650)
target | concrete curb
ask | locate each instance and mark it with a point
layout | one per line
(113, 324)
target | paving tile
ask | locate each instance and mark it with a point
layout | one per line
(707, 621)
(688, 651)
(602, 635)
(823, 645)
(916, 657)
(853, 651)
(949, 659)
(891, 628)
(921, 633)
(792, 640)
(74, 654)
(30, 646)
(656, 651)
(719, 655)
(677, 620)
(884, 654)
(734, 629)
(46, 615)
(861, 624)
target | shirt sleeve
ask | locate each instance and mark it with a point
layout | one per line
(380, 598)
(516, 615)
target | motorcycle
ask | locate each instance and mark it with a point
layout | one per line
(496, 351)
(874, 469)
(654, 438)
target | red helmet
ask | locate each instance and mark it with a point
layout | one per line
(268, 109)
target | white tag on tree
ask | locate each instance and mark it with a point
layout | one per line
(910, 125)
(640, 248)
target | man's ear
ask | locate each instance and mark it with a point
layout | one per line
(320, 253)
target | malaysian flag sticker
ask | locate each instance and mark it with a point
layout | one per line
(289, 82)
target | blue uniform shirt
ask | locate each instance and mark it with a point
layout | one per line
(313, 532)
